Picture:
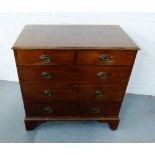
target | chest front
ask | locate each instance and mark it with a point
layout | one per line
(73, 77)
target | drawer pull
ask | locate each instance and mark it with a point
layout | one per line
(46, 75)
(99, 93)
(47, 93)
(102, 75)
(95, 110)
(45, 59)
(105, 58)
(48, 110)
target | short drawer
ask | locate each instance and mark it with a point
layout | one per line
(72, 92)
(105, 57)
(106, 108)
(44, 57)
(78, 75)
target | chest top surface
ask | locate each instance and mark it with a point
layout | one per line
(74, 37)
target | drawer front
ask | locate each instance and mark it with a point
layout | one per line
(101, 57)
(83, 75)
(105, 108)
(44, 57)
(72, 92)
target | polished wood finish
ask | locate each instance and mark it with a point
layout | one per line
(58, 57)
(73, 72)
(72, 92)
(96, 109)
(92, 57)
(75, 37)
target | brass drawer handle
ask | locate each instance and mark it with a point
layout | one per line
(95, 110)
(102, 75)
(45, 59)
(99, 93)
(46, 75)
(48, 110)
(105, 58)
(47, 93)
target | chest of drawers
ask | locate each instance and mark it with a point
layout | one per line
(73, 72)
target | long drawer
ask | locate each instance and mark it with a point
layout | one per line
(72, 92)
(82, 75)
(43, 109)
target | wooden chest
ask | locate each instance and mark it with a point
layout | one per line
(73, 72)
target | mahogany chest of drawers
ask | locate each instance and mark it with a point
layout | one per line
(73, 72)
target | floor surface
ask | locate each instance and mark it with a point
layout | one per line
(137, 122)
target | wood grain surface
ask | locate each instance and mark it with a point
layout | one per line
(73, 72)
(74, 36)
